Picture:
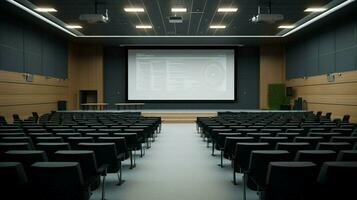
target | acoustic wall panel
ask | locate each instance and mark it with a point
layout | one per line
(345, 60)
(11, 59)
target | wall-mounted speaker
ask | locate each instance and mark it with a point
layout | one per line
(289, 91)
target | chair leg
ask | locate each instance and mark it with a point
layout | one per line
(131, 160)
(212, 148)
(244, 186)
(234, 174)
(103, 188)
(120, 179)
(221, 165)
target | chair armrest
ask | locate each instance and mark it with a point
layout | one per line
(102, 170)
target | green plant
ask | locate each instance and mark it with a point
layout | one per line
(276, 96)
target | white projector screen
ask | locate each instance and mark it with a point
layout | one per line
(181, 74)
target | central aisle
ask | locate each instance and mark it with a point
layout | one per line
(177, 166)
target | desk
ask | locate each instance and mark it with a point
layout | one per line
(128, 105)
(94, 106)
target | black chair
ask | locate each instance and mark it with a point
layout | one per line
(48, 139)
(343, 131)
(13, 182)
(51, 147)
(106, 155)
(12, 134)
(74, 141)
(242, 157)
(17, 139)
(58, 181)
(337, 180)
(334, 146)
(273, 140)
(350, 140)
(316, 156)
(257, 136)
(95, 136)
(120, 144)
(133, 145)
(230, 145)
(258, 166)
(311, 140)
(26, 158)
(347, 155)
(293, 147)
(221, 138)
(326, 136)
(290, 180)
(4, 146)
(87, 163)
(290, 136)
(65, 136)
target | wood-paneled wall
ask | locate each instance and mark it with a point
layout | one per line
(338, 97)
(85, 72)
(271, 70)
(17, 96)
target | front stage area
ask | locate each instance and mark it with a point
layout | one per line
(180, 115)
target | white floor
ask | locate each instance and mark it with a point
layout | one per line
(177, 166)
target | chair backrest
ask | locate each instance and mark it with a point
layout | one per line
(243, 151)
(334, 146)
(273, 140)
(131, 140)
(290, 136)
(86, 159)
(120, 144)
(316, 156)
(259, 161)
(257, 136)
(230, 145)
(65, 136)
(221, 138)
(347, 155)
(311, 140)
(105, 153)
(326, 136)
(293, 147)
(58, 180)
(337, 180)
(26, 158)
(17, 139)
(74, 141)
(350, 139)
(96, 135)
(12, 174)
(4, 146)
(290, 180)
(51, 147)
(48, 139)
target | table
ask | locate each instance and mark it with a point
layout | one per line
(95, 106)
(128, 105)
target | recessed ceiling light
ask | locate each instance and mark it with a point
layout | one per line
(178, 9)
(227, 9)
(286, 26)
(144, 26)
(74, 26)
(45, 9)
(134, 9)
(217, 26)
(315, 9)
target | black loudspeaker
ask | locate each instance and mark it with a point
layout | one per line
(289, 91)
(62, 105)
(298, 104)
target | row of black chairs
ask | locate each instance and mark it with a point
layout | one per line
(285, 155)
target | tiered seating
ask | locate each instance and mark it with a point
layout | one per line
(67, 152)
(301, 141)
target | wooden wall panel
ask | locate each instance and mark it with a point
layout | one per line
(338, 97)
(85, 72)
(271, 70)
(22, 97)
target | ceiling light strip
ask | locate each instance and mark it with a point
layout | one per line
(322, 15)
(179, 36)
(40, 17)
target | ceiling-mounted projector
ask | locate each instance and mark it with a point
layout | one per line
(175, 20)
(270, 18)
(266, 17)
(95, 18)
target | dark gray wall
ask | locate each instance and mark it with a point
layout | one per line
(247, 87)
(329, 47)
(28, 47)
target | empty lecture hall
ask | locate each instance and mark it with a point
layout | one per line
(178, 99)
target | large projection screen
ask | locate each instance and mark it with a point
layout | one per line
(181, 74)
